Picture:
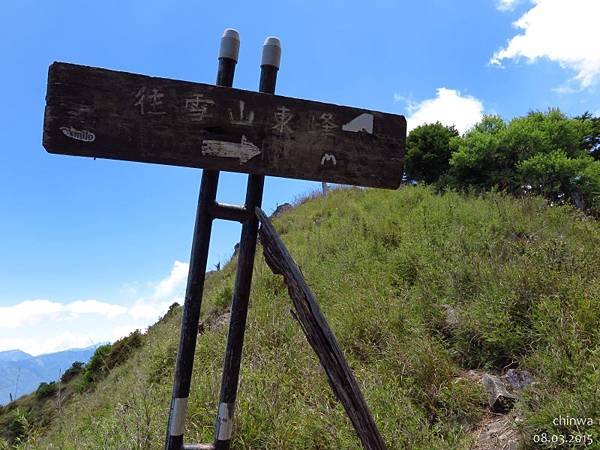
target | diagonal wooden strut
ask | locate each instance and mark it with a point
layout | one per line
(319, 335)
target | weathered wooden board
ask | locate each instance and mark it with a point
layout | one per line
(107, 114)
(319, 336)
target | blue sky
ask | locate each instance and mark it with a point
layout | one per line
(93, 249)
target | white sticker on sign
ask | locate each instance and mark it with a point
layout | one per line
(80, 135)
(364, 122)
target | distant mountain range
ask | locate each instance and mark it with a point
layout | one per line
(21, 373)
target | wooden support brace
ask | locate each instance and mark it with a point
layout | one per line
(319, 335)
(230, 212)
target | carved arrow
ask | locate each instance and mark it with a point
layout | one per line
(245, 150)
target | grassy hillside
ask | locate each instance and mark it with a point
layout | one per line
(520, 281)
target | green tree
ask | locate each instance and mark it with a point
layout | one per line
(490, 154)
(45, 390)
(479, 158)
(428, 151)
(544, 132)
(563, 179)
(96, 367)
(121, 349)
(75, 369)
(592, 140)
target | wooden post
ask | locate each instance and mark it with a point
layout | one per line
(228, 55)
(243, 280)
(320, 336)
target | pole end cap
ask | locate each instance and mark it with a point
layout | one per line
(271, 55)
(230, 44)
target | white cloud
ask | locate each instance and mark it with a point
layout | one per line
(145, 309)
(401, 98)
(65, 340)
(168, 285)
(124, 330)
(95, 307)
(35, 345)
(448, 107)
(507, 5)
(31, 312)
(565, 32)
(43, 326)
(166, 292)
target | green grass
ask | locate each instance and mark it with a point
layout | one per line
(522, 279)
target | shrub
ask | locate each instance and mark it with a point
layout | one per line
(75, 369)
(109, 356)
(223, 298)
(15, 425)
(562, 179)
(161, 362)
(121, 349)
(96, 367)
(46, 390)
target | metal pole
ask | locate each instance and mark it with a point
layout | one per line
(228, 55)
(239, 307)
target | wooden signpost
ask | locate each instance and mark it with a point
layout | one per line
(118, 115)
(107, 114)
